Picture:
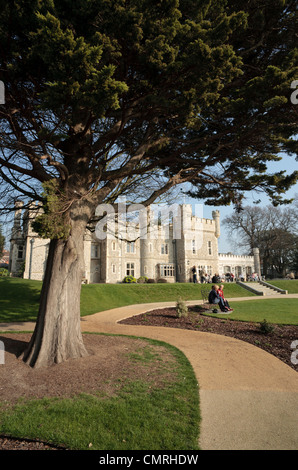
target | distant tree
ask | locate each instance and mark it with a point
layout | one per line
(104, 98)
(294, 261)
(271, 229)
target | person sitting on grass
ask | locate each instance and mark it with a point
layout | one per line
(214, 298)
(221, 294)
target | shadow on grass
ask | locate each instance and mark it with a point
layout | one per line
(19, 299)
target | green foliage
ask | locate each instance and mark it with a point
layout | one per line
(266, 328)
(51, 224)
(178, 86)
(142, 279)
(129, 280)
(181, 308)
(4, 272)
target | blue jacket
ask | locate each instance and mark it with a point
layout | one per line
(213, 297)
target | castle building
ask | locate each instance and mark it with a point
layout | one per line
(167, 249)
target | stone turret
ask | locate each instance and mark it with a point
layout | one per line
(257, 263)
(16, 253)
(17, 229)
(216, 218)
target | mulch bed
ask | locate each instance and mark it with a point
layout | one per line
(278, 342)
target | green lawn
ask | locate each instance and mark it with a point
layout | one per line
(278, 311)
(19, 297)
(137, 415)
(290, 285)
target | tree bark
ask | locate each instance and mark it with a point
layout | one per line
(57, 336)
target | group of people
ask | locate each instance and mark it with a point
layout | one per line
(216, 297)
(203, 277)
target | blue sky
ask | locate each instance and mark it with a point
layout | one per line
(225, 244)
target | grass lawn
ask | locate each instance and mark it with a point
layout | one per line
(290, 285)
(19, 297)
(279, 311)
(137, 415)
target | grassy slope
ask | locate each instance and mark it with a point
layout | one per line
(290, 285)
(19, 297)
(100, 297)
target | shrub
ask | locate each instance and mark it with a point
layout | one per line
(162, 280)
(129, 280)
(265, 327)
(181, 308)
(142, 279)
(151, 281)
(3, 272)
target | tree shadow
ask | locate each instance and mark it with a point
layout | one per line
(14, 346)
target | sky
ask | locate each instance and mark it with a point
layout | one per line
(225, 243)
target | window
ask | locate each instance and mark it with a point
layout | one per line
(145, 270)
(114, 246)
(167, 270)
(193, 244)
(94, 251)
(130, 269)
(209, 248)
(248, 270)
(164, 249)
(130, 247)
(20, 251)
(113, 268)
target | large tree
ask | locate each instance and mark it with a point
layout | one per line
(111, 97)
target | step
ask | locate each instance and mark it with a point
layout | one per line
(262, 288)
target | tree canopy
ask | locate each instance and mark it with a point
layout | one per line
(114, 97)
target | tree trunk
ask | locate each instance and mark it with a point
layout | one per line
(57, 335)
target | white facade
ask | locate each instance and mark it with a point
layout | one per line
(166, 251)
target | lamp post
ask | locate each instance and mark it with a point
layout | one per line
(31, 256)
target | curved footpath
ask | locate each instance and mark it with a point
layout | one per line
(248, 398)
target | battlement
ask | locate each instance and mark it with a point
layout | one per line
(232, 256)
